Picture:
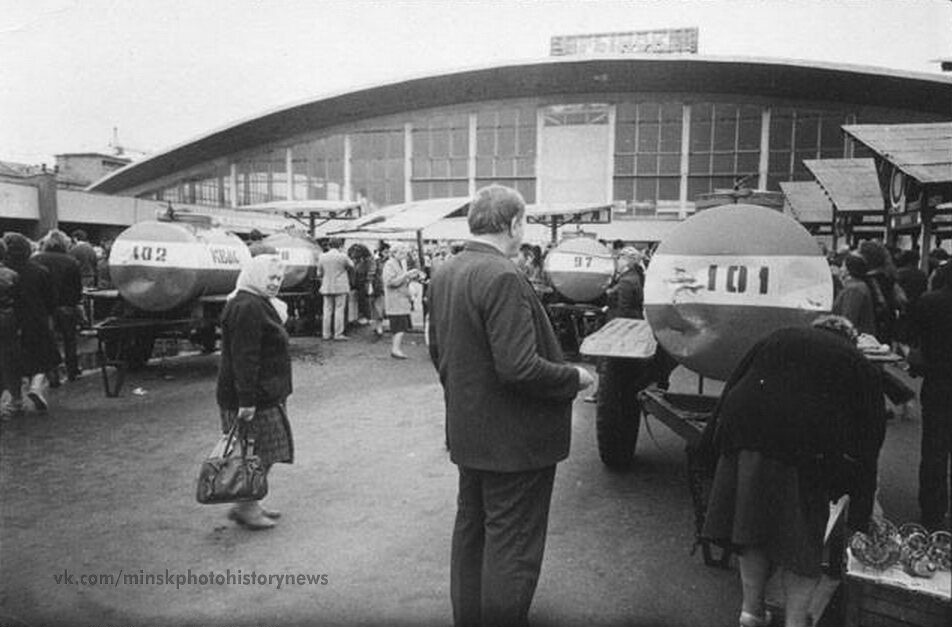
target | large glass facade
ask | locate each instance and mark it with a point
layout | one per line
(724, 147)
(440, 156)
(647, 153)
(319, 169)
(798, 134)
(506, 149)
(376, 166)
(448, 152)
(263, 178)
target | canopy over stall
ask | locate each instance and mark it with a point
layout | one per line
(805, 202)
(308, 212)
(408, 217)
(558, 215)
(914, 171)
(853, 188)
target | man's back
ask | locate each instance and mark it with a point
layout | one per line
(932, 319)
(332, 266)
(508, 394)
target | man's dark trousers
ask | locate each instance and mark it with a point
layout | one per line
(935, 462)
(498, 542)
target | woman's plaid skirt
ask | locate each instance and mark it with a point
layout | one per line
(270, 431)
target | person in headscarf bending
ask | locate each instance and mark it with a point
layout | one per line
(254, 379)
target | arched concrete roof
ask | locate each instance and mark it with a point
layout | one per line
(863, 86)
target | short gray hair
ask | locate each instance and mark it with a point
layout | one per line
(493, 209)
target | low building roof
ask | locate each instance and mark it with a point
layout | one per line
(806, 202)
(852, 184)
(563, 76)
(923, 151)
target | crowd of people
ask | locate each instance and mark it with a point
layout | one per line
(41, 313)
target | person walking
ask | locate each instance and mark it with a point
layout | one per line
(66, 276)
(333, 269)
(508, 396)
(397, 299)
(38, 354)
(254, 378)
(11, 403)
(800, 423)
(931, 330)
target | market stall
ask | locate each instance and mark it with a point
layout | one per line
(853, 189)
(914, 172)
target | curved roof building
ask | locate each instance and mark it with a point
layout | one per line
(645, 132)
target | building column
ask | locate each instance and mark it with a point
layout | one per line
(763, 166)
(233, 183)
(471, 161)
(685, 161)
(289, 173)
(45, 184)
(346, 195)
(408, 162)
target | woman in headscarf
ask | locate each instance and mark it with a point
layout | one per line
(254, 379)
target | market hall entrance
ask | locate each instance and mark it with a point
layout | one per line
(575, 147)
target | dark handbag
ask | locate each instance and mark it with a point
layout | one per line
(232, 472)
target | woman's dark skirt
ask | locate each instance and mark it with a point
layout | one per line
(271, 432)
(761, 502)
(400, 323)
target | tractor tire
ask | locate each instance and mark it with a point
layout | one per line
(618, 412)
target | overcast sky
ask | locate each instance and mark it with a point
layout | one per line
(167, 71)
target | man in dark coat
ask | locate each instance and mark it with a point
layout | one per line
(508, 397)
(931, 327)
(38, 354)
(66, 276)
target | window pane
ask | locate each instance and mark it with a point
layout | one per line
(625, 138)
(669, 164)
(672, 112)
(525, 166)
(421, 143)
(748, 162)
(484, 166)
(485, 141)
(623, 189)
(649, 112)
(440, 144)
(647, 164)
(669, 188)
(698, 185)
(506, 138)
(526, 188)
(439, 168)
(527, 140)
(781, 127)
(648, 137)
(702, 112)
(460, 142)
(723, 163)
(459, 168)
(504, 167)
(699, 164)
(700, 136)
(724, 132)
(749, 134)
(807, 127)
(671, 137)
(624, 164)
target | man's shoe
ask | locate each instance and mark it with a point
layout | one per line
(398, 355)
(341, 338)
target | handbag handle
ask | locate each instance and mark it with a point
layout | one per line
(238, 434)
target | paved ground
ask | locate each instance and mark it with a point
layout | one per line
(106, 485)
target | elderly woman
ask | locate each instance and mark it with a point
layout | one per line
(254, 379)
(799, 424)
(396, 285)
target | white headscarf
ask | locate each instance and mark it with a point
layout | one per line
(253, 279)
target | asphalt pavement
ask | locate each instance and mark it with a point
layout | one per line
(99, 524)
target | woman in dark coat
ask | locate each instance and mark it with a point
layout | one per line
(38, 352)
(799, 424)
(254, 379)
